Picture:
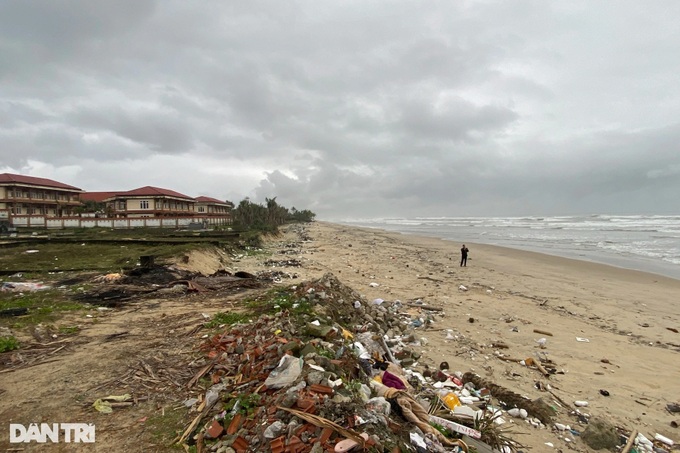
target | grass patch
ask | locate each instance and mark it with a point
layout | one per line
(43, 307)
(166, 426)
(228, 319)
(279, 299)
(104, 257)
(8, 344)
(245, 404)
(69, 330)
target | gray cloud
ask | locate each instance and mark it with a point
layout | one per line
(351, 109)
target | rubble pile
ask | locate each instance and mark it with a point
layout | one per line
(318, 371)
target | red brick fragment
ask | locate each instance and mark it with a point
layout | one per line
(325, 435)
(240, 445)
(235, 424)
(323, 389)
(277, 445)
(304, 403)
(294, 445)
(215, 430)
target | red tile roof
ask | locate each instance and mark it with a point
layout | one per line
(149, 191)
(34, 181)
(203, 199)
(97, 197)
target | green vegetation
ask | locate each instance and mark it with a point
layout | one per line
(323, 352)
(279, 299)
(66, 256)
(8, 344)
(43, 306)
(246, 403)
(440, 428)
(69, 330)
(228, 319)
(91, 206)
(267, 218)
(273, 301)
(164, 427)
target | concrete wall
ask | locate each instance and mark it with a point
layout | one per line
(89, 222)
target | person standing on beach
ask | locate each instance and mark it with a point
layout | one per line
(463, 255)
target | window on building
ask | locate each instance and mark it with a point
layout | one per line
(201, 209)
(144, 204)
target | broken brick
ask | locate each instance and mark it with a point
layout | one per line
(235, 424)
(323, 389)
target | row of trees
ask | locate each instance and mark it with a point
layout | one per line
(247, 215)
(267, 217)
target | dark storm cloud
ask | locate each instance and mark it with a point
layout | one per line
(159, 130)
(350, 108)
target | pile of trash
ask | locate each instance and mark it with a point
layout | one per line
(23, 287)
(320, 371)
(324, 370)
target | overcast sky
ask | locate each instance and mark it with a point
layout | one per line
(351, 108)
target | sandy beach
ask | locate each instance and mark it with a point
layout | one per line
(628, 322)
(625, 316)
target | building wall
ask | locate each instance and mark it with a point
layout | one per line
(119, 223)
(135, 204)
(135, 207)
(207, 208)
(28, 200)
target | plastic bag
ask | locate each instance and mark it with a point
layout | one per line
(285, 373)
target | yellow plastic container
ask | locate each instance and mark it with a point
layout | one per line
(451, 400)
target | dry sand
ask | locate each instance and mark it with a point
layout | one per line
(626, 316)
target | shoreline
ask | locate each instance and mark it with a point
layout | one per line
(630, 318)
(638, 264)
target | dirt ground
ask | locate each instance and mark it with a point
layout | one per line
(146, 348)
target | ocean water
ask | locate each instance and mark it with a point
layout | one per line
(646, 243)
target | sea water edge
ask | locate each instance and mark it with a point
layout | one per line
(648, 243)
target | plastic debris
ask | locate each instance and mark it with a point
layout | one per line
(103, 406)
(285, 373)
(663, 439)
(19, 287)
